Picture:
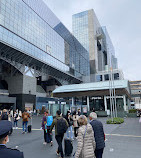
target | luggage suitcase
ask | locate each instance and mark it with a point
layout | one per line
(29, 128)
(68, 147)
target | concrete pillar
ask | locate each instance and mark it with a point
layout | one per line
(88, 103)
(105, 103)
(72, 101)
(124, 102)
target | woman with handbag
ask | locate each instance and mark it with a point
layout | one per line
(85, 140)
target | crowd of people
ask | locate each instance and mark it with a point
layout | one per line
(15, 116)
(90, 136)
(88, 132)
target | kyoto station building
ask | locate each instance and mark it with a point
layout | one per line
(38, 55)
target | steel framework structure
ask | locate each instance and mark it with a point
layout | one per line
(24, 63)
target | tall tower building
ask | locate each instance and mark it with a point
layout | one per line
(95, 39)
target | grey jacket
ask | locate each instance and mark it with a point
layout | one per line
(98, 134)
(85, 144)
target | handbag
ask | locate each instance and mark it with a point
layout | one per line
(18, 118)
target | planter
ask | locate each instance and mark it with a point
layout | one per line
(101, 113)
(131, 115)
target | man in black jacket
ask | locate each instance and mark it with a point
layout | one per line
(5, 127)
(4, 115)
(98, 134)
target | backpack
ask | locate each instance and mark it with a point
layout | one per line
(4, 116)
(61, 126)
(49, 120)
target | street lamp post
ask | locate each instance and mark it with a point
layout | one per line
(140, 99)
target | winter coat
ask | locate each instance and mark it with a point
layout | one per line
(25, 119)
(98, 134)
(85, 142)
(4, 116)
(75, 120)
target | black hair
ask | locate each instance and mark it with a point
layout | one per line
(58, 112)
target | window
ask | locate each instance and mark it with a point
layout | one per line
(106, 77)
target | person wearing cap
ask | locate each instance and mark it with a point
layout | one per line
(5, 127)
(98, 134)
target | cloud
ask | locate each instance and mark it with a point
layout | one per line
(122, 19)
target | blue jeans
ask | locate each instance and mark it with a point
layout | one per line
(69, 132)
(25, 125)
(16, 123)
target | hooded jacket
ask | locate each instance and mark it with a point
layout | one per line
(85, 142)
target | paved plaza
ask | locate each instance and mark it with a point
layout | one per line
(121, 140)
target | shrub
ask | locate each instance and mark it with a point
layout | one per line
(116, 120)
(132, 110)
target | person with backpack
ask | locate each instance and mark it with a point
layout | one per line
(61, 127)
(46, 123)
(25, 117)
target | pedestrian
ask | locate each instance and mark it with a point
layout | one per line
(15, 119)
(69, 119)
(140, 118)
(98, 134)
(46, 129)
(34, 111)
(5, 127)
(79, 112)
(44, 121)
(25, 117)
(38, 112)
(61, 126)
(4, 115)
(93, 110)
(49, 120)
(75, 123)
(85, 139)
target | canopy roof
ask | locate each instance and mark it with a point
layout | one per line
(94, 88)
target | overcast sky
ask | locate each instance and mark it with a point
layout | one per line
(123, 21)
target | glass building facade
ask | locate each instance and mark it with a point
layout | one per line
(80, 28)
(95, 39)
(31, 27)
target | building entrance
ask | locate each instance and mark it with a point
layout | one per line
(8, 106)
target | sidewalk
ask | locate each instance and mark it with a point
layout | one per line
(125, 141)
(117, 145)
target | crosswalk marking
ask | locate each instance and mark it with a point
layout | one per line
(119, 135)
